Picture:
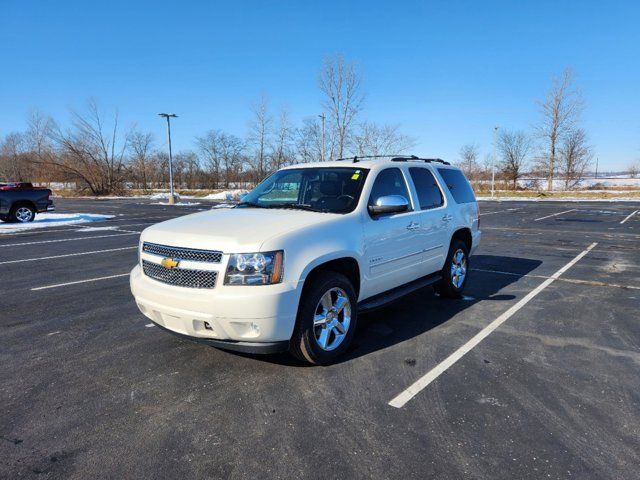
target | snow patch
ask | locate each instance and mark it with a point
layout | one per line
(45, 220)
(227, 195)
(164, 196)
(179, 204)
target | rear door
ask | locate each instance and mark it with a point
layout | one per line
(435, 222)
(392, 248)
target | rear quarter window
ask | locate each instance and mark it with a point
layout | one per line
(458, 185)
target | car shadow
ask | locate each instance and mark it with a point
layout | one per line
(424, 310)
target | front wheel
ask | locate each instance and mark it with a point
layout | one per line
(455, 271)
(326, 319)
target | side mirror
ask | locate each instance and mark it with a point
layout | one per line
(389, 204)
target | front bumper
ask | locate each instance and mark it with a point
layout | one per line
(244, 318)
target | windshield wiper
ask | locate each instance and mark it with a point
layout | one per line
(297, 206)
(251, 204)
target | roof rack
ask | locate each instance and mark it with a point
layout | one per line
(357, 158)
(414, 158)
(394, 158)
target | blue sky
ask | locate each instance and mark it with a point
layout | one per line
(446, 71)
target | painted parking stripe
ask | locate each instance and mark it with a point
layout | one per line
(508, 210)
(555, 214)
(79, 281)
(52, 257)
(67, 239)
(401, 399)
(629, 216)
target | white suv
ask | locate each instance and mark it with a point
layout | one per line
(292, 265)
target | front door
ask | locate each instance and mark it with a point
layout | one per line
(392, 247)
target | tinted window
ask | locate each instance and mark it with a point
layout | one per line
(388, 182)
(429, 193)
(458, 185)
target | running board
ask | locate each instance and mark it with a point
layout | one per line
(382, 299)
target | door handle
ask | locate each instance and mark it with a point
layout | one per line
(413, 226)
(447, 218)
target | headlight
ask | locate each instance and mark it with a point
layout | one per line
(254, 268)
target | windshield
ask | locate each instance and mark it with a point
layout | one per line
(331, 190)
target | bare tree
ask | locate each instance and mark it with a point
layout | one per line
(283, 150)
(514, 148)
(469, 155)
(340, 83)
(210, 146)
(309, 140)
(14, 162)
(634, 169)
(260, 131)
(91, 153)
(560, 112)
(142, 156)
(373, 139)
(574, 157)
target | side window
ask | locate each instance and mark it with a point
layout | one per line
(389, 182)
(458, 185)
(429, 193)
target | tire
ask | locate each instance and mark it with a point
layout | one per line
(455, 271)
(324, 330)
(22, 213)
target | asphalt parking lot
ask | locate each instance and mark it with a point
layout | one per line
(549, 389)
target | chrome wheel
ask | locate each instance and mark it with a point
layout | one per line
(24, 214)
(332, 318)
(458, 268)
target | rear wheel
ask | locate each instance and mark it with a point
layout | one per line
(22, 213)
(326, 319)
(455, 271)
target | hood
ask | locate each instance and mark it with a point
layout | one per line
(231, 230)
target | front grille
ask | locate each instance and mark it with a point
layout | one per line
(180, 277)
(178, 253)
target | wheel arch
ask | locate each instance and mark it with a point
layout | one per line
(463, 234)
(345, 265)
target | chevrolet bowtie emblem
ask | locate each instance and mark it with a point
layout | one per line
(169, 263)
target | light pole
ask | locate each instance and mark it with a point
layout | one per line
(493, 163)
(168, 116)
(323, 117)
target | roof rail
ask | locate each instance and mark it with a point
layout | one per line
(414, 158)
(394, 158)
(357, 158)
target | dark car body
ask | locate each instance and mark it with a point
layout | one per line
(13, 195)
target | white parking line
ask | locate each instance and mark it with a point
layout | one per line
(629, 216)
(67, 255)
(555, 214)
(80, 281)
(400, 400)
(67, 239)
(482, 214)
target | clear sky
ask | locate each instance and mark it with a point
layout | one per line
(446, 71)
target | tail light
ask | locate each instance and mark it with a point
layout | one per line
(50, 195)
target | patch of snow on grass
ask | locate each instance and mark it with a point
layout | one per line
(45, 220)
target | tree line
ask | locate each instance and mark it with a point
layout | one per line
(99, 157)
(558, 148)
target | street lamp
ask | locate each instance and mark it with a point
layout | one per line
(168, 116)
(323, 117)
(493, 162)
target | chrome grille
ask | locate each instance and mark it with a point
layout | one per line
(180, 277)
(209, 256)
